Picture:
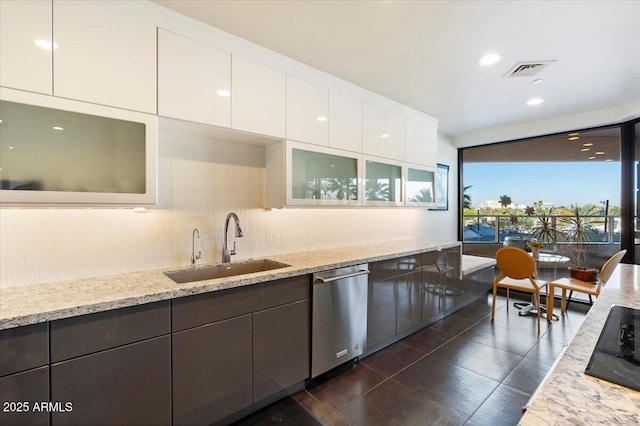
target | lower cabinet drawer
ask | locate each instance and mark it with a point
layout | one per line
(128, 385)
(22, 396)
(23, 348)
(85, 334)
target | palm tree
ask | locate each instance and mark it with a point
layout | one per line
(505, 200)
(377, 190)
(466, 198)
(424, 196)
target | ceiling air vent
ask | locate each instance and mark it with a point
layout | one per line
(527, 69)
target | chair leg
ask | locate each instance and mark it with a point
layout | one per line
(550, 300)
(538, 309)
(507, 300)
(568, 300)
(493, 305)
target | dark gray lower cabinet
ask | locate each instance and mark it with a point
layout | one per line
(127, 385)
(23, 348)
(22, 396)
(212, 371)
(408, 288)
(24, 375)
(280, 348)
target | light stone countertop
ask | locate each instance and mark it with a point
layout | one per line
(568, 395)
(37, 303)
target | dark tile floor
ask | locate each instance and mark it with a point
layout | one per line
(462, 370)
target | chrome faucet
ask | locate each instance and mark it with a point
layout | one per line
(226, 254)
(194, 256)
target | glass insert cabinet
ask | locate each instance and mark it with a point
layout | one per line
(420, 186)
(383, 183)
(59, 152)
(300, 174)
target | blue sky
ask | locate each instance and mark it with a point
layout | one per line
(561, 184)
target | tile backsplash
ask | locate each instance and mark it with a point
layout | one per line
(201, 180)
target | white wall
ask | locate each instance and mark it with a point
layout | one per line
(200, 181)
(442, 225)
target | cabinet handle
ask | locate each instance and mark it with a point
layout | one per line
(341, 277)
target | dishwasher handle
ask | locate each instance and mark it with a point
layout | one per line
(341, 277)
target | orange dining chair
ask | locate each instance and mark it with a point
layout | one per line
(516, 272)
(573, 284)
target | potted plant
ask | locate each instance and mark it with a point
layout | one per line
(545, 229)
(578, 235)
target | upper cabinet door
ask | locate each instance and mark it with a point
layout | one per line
(25, 45)
(307, 111)
(395, 136)
(345, 121)
(413, 141)
(374, 134)
(258, 98)
(421, 143)
(429, 145)
(194, 80)
(106, 53)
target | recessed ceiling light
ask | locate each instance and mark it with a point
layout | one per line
(384, 135)
(592, 158)
(574, 138)
(585, 149)
(537, 81)
(223, 92)
(489, 59)
(12, 147)
(58, 128)
(574, 134)
(599, 152)
(587, 144)
(535, 101)
(608, 159)
(321, 118)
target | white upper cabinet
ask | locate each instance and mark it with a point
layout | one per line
(374, 134)
(421, 143)
(25, 45)
(106, 53)
(345, 121)
(413, 141)
(194, 80)
(307, 111)
(429, 145)
(258, 94)
(383, 132)
(395, 136)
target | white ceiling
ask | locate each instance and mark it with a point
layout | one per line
(424, 53)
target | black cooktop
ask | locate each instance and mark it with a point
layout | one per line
(616, 357)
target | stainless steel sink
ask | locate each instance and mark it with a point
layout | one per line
(223, 270)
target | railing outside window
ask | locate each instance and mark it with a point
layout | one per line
(494, 228)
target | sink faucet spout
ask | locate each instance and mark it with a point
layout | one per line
(194, 256)
(226, 253)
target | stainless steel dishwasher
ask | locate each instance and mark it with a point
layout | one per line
(339, 317)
